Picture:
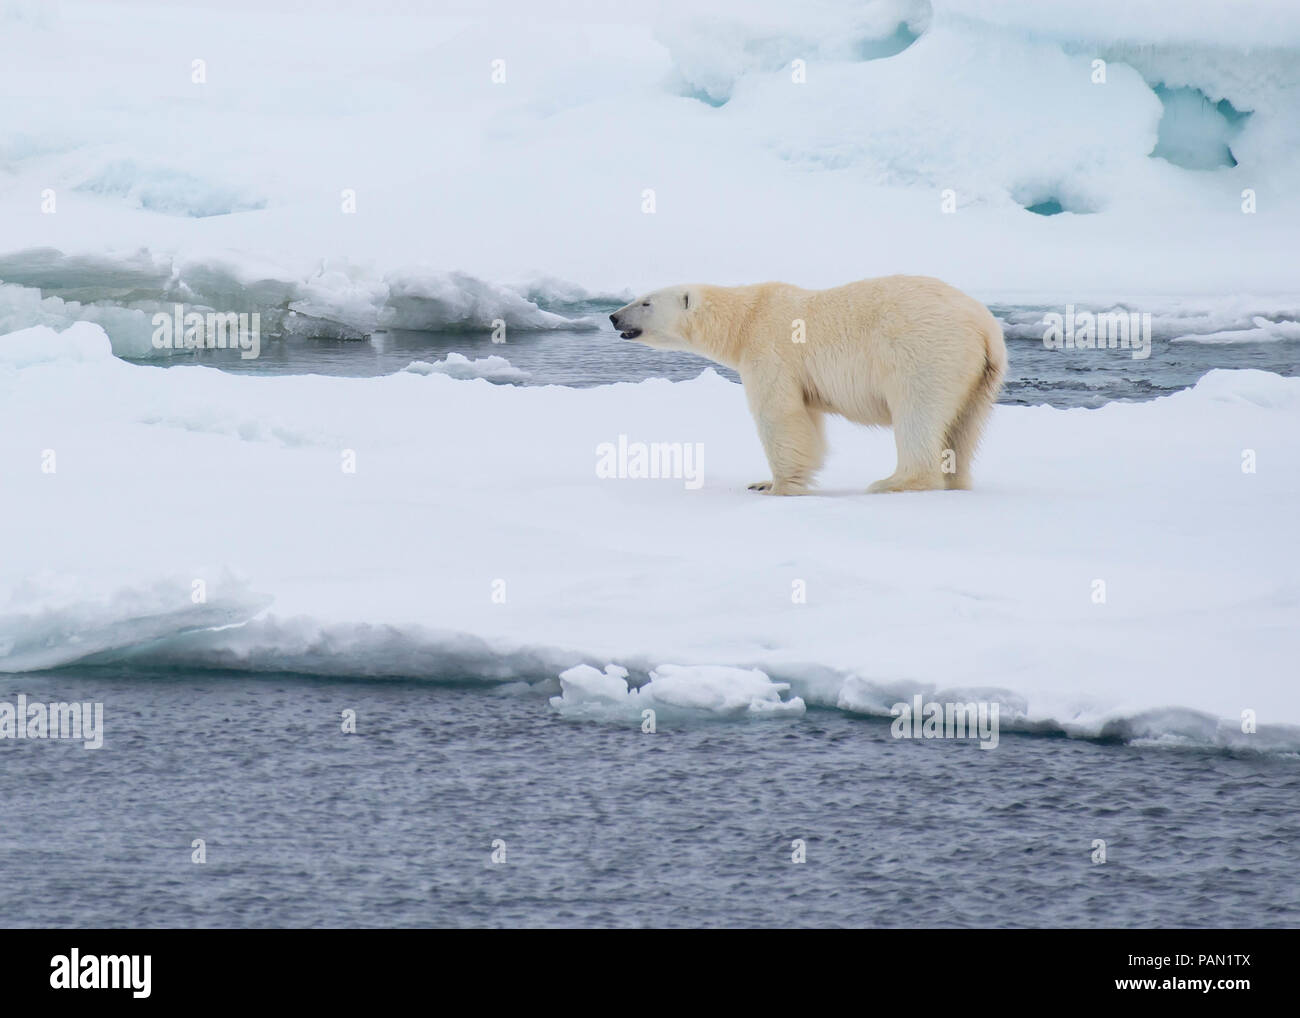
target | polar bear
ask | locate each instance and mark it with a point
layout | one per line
(907, 351)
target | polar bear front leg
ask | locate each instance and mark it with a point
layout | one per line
(792, 437)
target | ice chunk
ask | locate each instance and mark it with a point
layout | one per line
(673, 691)
(492, 368)
(82, 341)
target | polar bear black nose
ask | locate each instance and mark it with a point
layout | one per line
(614, 319)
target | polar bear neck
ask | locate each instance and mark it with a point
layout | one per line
(717, 329)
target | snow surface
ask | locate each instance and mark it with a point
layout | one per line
(167, 476)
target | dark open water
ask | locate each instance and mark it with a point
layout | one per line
(606, 826)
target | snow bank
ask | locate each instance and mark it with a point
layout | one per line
(1265, 331)
(341, 300)
(51, 621)
(1242, 318)
(1128, 571)
(435, 301)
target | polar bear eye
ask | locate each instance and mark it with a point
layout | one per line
(645, 303)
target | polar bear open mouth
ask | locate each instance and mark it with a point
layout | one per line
(630, 334)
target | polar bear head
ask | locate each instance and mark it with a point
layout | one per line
(660, 319)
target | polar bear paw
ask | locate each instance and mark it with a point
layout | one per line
(779, 488)
(913, 483)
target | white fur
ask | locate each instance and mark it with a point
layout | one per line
(906, 351)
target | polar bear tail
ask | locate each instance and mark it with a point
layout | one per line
(963, 435)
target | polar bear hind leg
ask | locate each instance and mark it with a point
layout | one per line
(918, 435)
(964, 432)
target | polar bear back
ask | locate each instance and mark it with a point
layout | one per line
(866, 349)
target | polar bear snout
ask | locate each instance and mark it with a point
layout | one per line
(625, 330)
